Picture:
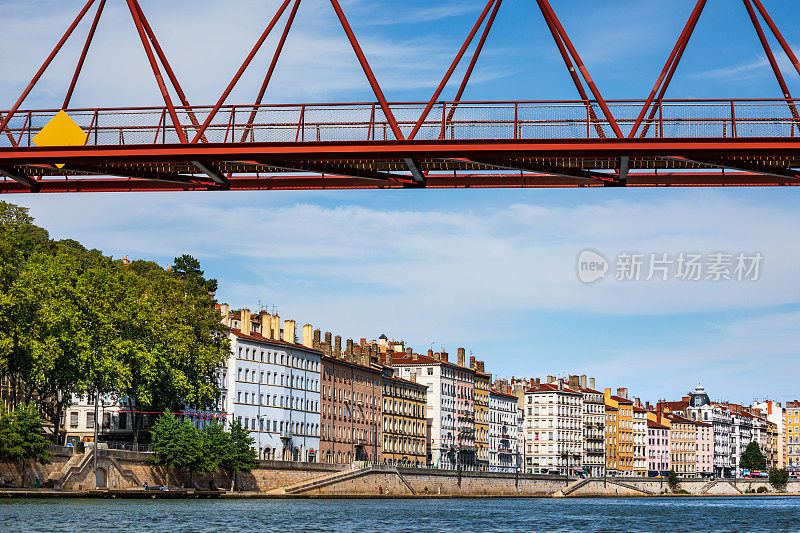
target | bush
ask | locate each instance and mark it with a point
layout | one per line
(778, 478)
(762, 489)
(672, 481)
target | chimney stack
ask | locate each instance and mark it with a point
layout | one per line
(462, 355)
(637, 402)
(308, 336)
(245, 322)
(444, 357)
(328, 339)
(472, 364)
(591, 383)
(481, 367)
(316, 341)
(225, 313)
(288, 330)
(560, 384)
(409, 351)
(551, 379)
(622, 391)
(389, 358)
(583, 381)
(276, 327)
(348, 351)
(414, 356)
(574, 382)
(337, 346)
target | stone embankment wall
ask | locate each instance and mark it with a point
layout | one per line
(130, 470)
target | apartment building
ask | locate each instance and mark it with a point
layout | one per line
(594, 419)
(450, 407)
(483, 384)
(639, 420)
(658, 445)
(704, 433)
(351, 409)
(404, 421)
(502, 431)
(619, 433)
(553, 429)
(775, 414)
(792, 450)
(683, 445)
(271, 385)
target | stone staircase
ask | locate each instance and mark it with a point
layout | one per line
(336, 477)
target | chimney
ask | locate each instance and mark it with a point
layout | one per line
(414, 356)
(591, 383)
(288, 330)
(225, 313)
(444, 357)
(276, 327)
(409, 351)
(430, 353)
(245, 322)
(348, 351)
(462, 355)
(337, 346)
(637, 402)
(472, 364)
(622, 391)
(481, 367)
(574, 382)
(266, 325)
(551, 379)
(538, 381)
(399, 347)
(583, 381)
(389, 358)
(356, 353)
(317, 343)
(328, 339)
(659, 410)
(560, 384)
(308, 336)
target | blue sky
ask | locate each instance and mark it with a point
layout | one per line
(490, 270)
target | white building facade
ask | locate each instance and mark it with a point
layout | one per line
(594, 417)
(553, 429)
(272, 387)
(503, 426)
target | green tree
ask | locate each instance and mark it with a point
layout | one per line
(219, 445)
(778, 478)
(673, 481)
(752, 458)
(241, 457)
(187, 268)
(182, 446)
(22, 437)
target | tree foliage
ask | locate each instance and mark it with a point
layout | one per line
(183, 446)
(73, 321)
(673, 481)
(752, 458)
(778, 478)
(22, 437)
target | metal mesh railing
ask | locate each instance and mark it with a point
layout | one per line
(449, 121)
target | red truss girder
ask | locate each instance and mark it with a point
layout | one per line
(392, 160)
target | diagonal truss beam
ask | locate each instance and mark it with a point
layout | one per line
(740, 164)
(20, 178)
(212, 171)
(339, 169)
(527, 165)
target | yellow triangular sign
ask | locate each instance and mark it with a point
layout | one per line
(60, 131)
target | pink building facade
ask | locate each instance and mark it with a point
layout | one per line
(705, 449)
(657, 448)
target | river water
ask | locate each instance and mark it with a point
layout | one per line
(696, 515)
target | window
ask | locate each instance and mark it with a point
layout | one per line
(73, 419)
(123, 421)
(90, 420)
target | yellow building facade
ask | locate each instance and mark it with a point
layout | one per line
(403, 422)
(619, 434)
(482, 387)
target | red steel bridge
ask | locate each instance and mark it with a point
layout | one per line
(585, 142)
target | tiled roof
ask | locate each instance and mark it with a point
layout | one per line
(620, 399)
(407, 360)
(655, 425)
(550, 387)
